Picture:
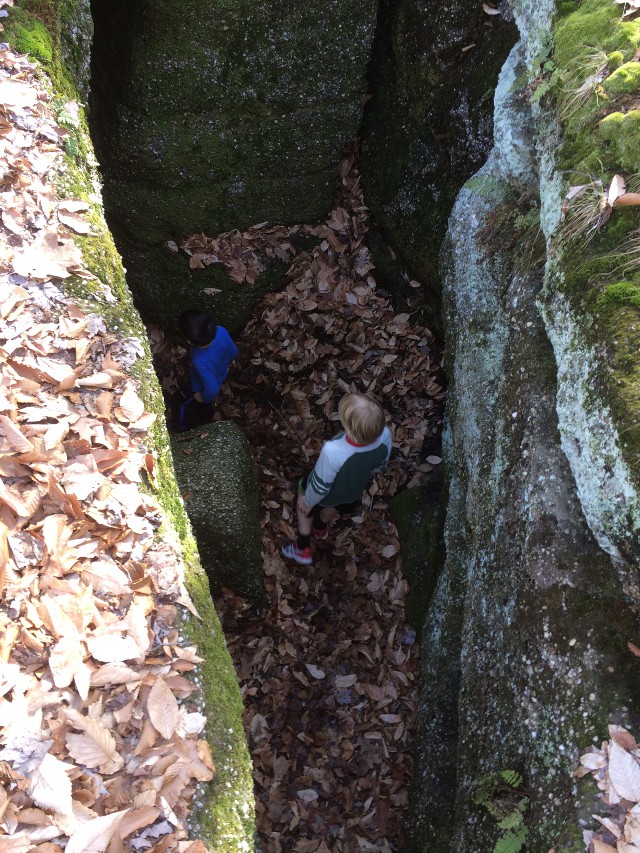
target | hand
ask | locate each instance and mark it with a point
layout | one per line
(197, 397)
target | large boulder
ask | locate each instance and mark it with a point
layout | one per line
(524, 645)
(222, 813)
(210, 116)
(219, 483)
(428, 125)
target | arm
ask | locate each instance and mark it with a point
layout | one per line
(320, 480)
(210, 387)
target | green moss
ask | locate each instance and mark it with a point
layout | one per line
(226, 823)
(27, 34)
(583, 40)
(594, 25)
(615, 59)
(625, 80)
(419, 515)
(622, 131)
(619, 294)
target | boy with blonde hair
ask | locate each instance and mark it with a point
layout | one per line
(343, 471)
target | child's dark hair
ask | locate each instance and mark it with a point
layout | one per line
(198, 327)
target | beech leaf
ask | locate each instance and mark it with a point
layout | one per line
(315, 671)
(95, 836)
(51, 787)
(163, 709)
(624, 773)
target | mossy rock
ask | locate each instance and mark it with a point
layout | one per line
(210, 116)
(419, 515)
(594, 26)
(428, 125)
(622, 131)
(164, 286)
(625, 80)
(615, 59)
(219, 482)
(223, 810)
(604, 309)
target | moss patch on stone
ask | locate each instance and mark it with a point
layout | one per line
(601, 139)
(27, 34)
(625, 80)
(219, 481)
(223, 815)
(622, 131)
(213, 116)
(419, 515)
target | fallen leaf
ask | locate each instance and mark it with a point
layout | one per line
(624, 773)
(315, 671)
(163, 709)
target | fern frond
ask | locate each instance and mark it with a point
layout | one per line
(512, 842)
(512, 777)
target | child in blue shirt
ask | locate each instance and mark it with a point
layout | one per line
(212, 353)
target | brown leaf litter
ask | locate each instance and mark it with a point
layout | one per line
(100, 742)
(329, 670)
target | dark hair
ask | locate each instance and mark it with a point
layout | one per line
(198, 327)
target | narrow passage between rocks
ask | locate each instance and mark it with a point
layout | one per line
(329, 670)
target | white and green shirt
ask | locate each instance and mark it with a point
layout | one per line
(344, 469)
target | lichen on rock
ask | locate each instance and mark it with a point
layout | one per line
(523, 646)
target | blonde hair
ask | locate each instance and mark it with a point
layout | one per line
(362, 417)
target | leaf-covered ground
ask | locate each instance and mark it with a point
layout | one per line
(99, 733)
(329, 670)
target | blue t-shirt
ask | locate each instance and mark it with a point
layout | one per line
(210, 365)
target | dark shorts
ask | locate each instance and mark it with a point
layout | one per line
(187, 413)
(346, 509)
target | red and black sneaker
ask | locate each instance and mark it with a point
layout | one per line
(302, 556)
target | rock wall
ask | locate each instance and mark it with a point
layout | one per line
(219, 479)
(214, 116)
(524, 651)
(428, 126)
(223, 810)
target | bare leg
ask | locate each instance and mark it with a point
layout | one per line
(304, 518)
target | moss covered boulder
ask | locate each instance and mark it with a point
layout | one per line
(419, 514)
(524, 650)
(216, 115)
(219, 482)
(428, 125)
(223, 810)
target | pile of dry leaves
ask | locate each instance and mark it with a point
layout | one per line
(329, 671)
(99, 743)
(615, 768)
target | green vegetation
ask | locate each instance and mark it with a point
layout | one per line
(601, 131)
(502, 795)
(29, 35)
(621, 131)
(625, 80)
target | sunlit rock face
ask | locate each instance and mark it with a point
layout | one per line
(217, 115)
(524, 652)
